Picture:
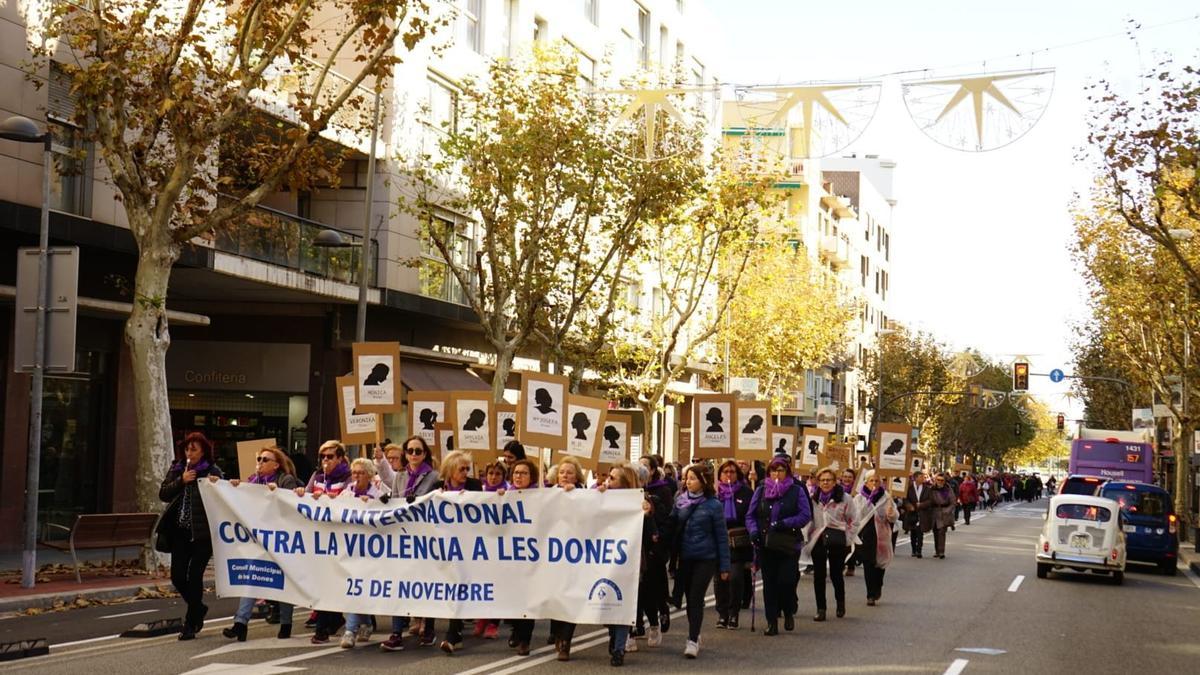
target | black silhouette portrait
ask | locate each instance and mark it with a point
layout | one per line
(753, 424)
(580, 423)
(543, 400)
(814, 446)
(427, 418)
(715, 418)
(782, 449)
(612, 436)
(378, 375)
(475, 420)
(894, 447)
(449, 442)
(510, 427)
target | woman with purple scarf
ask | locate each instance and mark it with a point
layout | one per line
(456, 477)
(878, 514)
(777, 512)
(834, 512)
(183, 528)
(274, 470)
(735, 498)
(330, 480)
(362, 486)
(703, 543)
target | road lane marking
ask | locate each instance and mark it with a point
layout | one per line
(1187, 572)
(210, 625)
(957, 667)
(141, 611)
(1016, 583)
(989, 651)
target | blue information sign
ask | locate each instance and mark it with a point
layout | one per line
(1056, 375)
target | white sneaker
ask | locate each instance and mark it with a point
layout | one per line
(653, 636)
(691, 650)
(348, 640)
(364, 632)
(630, 644)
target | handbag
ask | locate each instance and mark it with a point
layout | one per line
(739, 537)
(780, 541)
(833, 537)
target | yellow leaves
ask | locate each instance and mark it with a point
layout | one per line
(167, 105)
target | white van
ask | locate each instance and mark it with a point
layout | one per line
(1082, 533)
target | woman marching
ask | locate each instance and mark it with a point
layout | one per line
(456, 477)
(777, 513)
(846, 480)
(275, 470)
(332, 478)
(703, 543)
(834, 514)
(361, 486)
(878, 516)
(184, 526)
(570, 477)
(735, 498)
(652, 601)
(943, 512)
(620, 478)
(522, 476)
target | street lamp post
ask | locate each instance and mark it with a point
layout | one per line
(24, 130)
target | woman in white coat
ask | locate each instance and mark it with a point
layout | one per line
(877, 517)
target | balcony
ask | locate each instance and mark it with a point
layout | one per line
(836, 249)
(286, 240)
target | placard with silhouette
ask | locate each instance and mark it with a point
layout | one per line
(614, 441)
(445, 440)
(425, 410)
(837, 456)
(712, 426)
(543, 410)
(377, 376)
(357, 428)
(893, 451)
(474, 425)
(752, 440)
(506, 424)
(898, 486)
(783, 441)
(585, 429)
(812, 447)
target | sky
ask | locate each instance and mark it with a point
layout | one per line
(980, 241)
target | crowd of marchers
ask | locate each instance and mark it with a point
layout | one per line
(711, 524)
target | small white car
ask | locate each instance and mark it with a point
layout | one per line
(1082, 533)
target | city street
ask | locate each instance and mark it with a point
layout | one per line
(982, 609)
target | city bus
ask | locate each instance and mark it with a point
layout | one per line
(1113, 455)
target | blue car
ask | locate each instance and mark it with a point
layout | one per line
(1151, 527)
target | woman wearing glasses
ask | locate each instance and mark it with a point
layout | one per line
(523, 476)
(456, 477)
(879, 511)
(275, 470)
(735, 498)
(833, 510)
(408, 469)
(331, 480)
(777, 513)
(361, 486)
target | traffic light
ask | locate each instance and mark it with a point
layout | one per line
(1020, 376)
(1017, 430)
(1062, 421)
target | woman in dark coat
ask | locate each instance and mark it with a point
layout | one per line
(877, 515)
(652, 605)
(781, 508)
(735, 498)
(185, 526)
(703, 542)
(918, 513)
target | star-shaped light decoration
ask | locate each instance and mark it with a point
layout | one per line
(1000, 103)
(652, 100)
(838, 113)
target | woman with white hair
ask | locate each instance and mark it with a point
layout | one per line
(878, 515)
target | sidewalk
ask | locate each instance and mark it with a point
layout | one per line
(1188, 556)
(56, 586)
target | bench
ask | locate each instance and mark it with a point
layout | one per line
(103, 530)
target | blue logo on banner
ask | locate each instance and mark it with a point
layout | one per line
(605, 592)
(261, 573)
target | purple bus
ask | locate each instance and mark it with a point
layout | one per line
(1113, 459)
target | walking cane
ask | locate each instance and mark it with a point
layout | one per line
(753, 608)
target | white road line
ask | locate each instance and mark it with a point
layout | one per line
(1187, 572)
(141, 611)
(530, 663)
(1016, 583)
(957, 667)
(209, 624)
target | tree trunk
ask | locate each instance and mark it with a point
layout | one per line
(147, 335)
(650, 437)
(504, 359)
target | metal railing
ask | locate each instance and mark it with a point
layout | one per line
(284, 239)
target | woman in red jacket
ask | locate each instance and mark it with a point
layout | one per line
(968, 495)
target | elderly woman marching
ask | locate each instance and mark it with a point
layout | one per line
(833, 516)
(523, 475)
(877, 516)
(943, 512)
(777, 513)
(620, 477)
(456, 477)
(362, 486)
(569, 476)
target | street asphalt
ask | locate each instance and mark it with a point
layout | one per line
(981, 610)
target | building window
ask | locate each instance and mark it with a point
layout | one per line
(541, 32)
(697, 73)
(70, 171)
(587, 68)
(631, 294)
(589, 11)
(511, 11)
(663, 43)
(865, 265)
(443, 104)
(679, 53)
(679, 6)
(887, 247)
(643, 31)
(435, 277)
(471, 24)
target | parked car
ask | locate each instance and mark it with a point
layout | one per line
(1082, 533)
(1151, 528)
(1078, 484)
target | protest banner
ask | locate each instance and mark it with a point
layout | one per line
(812, 449)
(474, 424)
(893, 447)
(783, 441)
(465, 555)
(585, 421)
(506, 424)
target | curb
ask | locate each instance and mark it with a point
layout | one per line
(48, 600)
(1189, 557)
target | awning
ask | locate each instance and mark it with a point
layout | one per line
(425, 376)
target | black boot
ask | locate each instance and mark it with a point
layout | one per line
(841, 608)
(272, 612)
(820, 615)
(772, 629)
(285, 631)
(789, 622)
(237, 630)
(733, 621)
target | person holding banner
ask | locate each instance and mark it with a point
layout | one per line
(362, 486)
(735, 498)
(274, 470)
(493, 481)
(703, 543)
(523, 475)
(456, 477)
(834, 511)
(330, 480)
(183, 528)
(652, 600)
(877, 517)
(620, 478)
(568, 476)
(777, 512)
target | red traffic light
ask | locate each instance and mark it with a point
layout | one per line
(1020, 376)
(1062, 421)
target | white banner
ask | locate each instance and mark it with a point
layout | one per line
(540, 554)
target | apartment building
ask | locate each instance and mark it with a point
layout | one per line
(261, 319)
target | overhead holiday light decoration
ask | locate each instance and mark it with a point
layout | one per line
(832, 116)
(980, 112)
(650, 102)
(966, 365)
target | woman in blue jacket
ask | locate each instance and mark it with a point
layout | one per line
(778, 510)
(703, 543)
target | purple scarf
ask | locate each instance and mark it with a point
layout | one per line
(259, 479)
(414, 477)
(358, 492)
(686, 500)
(726, 492)
(871, 496)
(340, 474)
(488, 487)
(200, 468)
(774, 489)
(824, 496)
(656, 483)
